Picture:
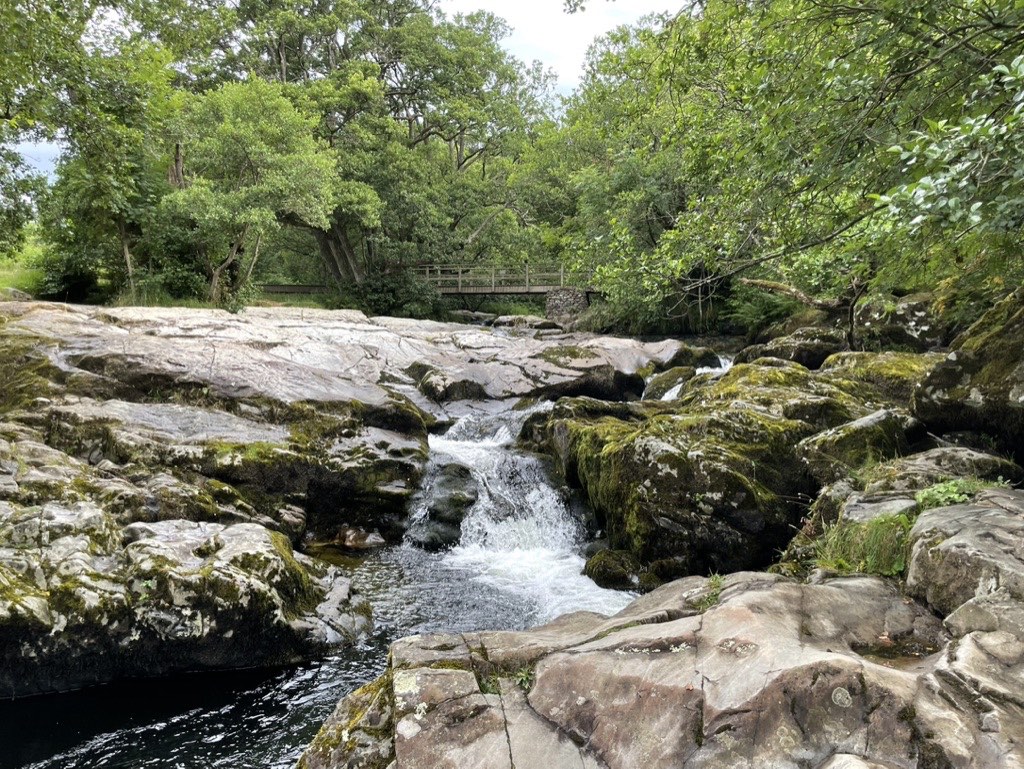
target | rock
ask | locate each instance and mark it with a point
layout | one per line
(83, 602)
(980, 385)
(619, 570)
(900, 323)
(835, 453)
(449, 492)
(668, 384)
(895, 375)
(14, 295)
(687, 356)
(532, 322)
(757, 671)
(701, 484)
(969, 551)
(919, 471)
(809, 347)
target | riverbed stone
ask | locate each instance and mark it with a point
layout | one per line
(754, 670)
(83, 600)
(835, 453)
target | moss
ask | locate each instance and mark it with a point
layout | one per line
(954, 492)
(24, 374)
(564, 354)
(893, 375)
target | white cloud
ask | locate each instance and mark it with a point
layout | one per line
(543, 30)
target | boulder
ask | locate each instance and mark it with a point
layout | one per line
(704, 483)
(448, 494)
(837, 452)
(809, 347)
(900, 323)
(919, 471)
(895, 375)
(668, 384)
(619, 570)
(83, 601)
(749, 671)
(969, 552)
(980, 384)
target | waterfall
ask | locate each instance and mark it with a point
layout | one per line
(520, 536)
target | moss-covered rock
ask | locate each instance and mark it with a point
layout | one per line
(707, 483)
(980, 384)
(894, 374)
(809, 347)
(838, 452)
(620, 570)
(668, 383)
(83, 601)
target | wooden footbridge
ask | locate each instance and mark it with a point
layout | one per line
(473, 279)
(467, 279)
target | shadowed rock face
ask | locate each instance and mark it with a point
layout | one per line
(980, 385)
(755, 672)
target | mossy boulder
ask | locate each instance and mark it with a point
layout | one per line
(980, 384)
(668, 383)
(809, 347)
(619, 570)
(895, 375)
(706, 483)
(839, 451)
(83, 601)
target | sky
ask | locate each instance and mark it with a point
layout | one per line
(542, 30)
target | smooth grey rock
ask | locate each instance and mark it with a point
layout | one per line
(844, 674)
(969, 551)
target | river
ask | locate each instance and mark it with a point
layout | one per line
(518, 564)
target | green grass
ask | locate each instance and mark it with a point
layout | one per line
(20, 277)
(878, 546)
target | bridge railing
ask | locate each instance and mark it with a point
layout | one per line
(483, 279)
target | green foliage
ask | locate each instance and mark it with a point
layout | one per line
(878, 546)
(954, 492)
(399, 294)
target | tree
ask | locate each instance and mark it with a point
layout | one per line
(249, 162)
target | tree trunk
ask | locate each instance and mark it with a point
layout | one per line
(218, 272)
(129, 262)
(339, 256)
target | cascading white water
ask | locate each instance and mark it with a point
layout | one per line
(519, 537)
(724, 364)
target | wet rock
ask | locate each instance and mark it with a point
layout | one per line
(668, 384)
(809, 347)
(980, 384)
(533, 322)
(14, 295)
(757, 671)
(448, 495)
(619, 570)
(83, 601)
(701, 484)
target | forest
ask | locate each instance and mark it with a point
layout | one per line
(718, 165)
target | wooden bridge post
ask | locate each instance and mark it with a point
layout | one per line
(527, 278)
(494, 280)
(561, 276)
(460, 279)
